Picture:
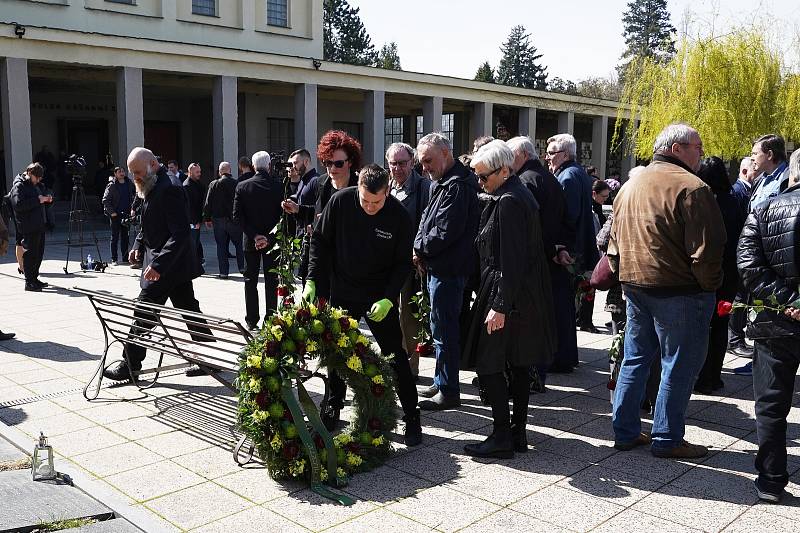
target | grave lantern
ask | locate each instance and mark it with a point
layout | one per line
(42, 467)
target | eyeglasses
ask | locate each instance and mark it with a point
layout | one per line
(485, 177)
(399, 163)
(554, 152)
(338, 164)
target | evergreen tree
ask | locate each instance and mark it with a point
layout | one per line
(648, 33)
(559, 85)
(388, 57)
(345, 38)
(519, 66)
(485, 73)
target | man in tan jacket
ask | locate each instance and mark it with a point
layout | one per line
(666, 245)
(3, 251)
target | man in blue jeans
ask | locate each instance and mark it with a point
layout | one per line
(444, 248)
(218, 214)
(666, 245)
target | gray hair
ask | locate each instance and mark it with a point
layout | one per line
(394, 147)
(494, 155)
(745, 164)
(523, 144)
(677, 133)
(566, 142)
(794, 167)
(435, 139)
(261, 161)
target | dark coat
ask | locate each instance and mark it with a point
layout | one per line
(515, 280)
(111, 197)
(577, 186)
(164, 237)
(734, 218)
(29, 214)
(246, 176)
(769, 262)
(196, 197)
(547, 191)
(257, 207)
(219, 199)
(306, 199)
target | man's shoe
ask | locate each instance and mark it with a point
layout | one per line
(589, 328)
(703, 388)
(118, 372)
(42, 284)
(6, 336)
(568, 369)
(682, 451)
(32, 287)
(330, 417)
(440, 402)
(764, 496)
(718, 385)
(519, 435)
(742, 350)
(222, 276)
(251, 326)
(412, 434)
(114, 262)
(746, 370)
(136, 266)
(430, 392)
(642, 440)
(498, 445)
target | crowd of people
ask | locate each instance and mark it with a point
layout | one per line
(499, 242)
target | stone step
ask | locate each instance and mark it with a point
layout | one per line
(115, 525)
(9, 453)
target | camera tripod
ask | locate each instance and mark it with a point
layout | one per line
(78, 211)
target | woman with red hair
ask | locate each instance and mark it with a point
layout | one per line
(341, 156)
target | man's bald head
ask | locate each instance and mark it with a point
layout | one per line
(224, 168)
(143, 166)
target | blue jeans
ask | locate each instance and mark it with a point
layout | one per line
(677, 327)
(226, 230)
(446, 295)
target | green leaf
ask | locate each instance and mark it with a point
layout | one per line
(758, 302)
(773, 300)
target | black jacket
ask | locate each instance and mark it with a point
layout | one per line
(445, 239)
(195, 196)
(366, 257)
(306, 199)
(29, 213)
(769, 262)
(324, 189)
(219, 199)
(550, 197)
(164, 236)
(246, 176)
(734, 219)
(111, 197)
(257, 207)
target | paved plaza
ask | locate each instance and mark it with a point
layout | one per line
(167, 451)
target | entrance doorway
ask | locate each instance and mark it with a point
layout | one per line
(161, 137)
(89, 139)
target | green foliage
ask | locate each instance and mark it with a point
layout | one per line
(648, 33)
(604, 88)
(388, 57)
(288, 248)
(519, 66)
(60, 525)
(485, 73)
(730, 88)
(345, 38)
(559, 85)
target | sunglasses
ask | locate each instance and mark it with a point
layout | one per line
(338, 164)
(485, 177)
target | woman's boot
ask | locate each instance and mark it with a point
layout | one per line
(520, 378)
(499, 444)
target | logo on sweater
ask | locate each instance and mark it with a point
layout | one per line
(383, 234)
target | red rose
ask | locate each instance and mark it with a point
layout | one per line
(612, 384)
(344, 323)
(375, 424)
(724, 308)
(288, 302)
(303, 315)
(322, 302)
(261, 400)
(378, 390)
(283, 291)
(584, 285)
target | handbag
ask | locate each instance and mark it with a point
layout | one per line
(603, 278)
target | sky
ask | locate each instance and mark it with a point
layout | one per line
(577, 38)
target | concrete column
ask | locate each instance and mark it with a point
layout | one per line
(374, 126)
(600, 144)
(16, 111)
(566, 122)
(130, 112)
(482, 119)
(305, 117)
(432, 114)
(527, 122)
(225, 113)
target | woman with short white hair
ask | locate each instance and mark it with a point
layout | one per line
(512, 327)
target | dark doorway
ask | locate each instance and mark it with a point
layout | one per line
(89, 139)
(161, 137)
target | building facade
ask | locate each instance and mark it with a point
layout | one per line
(210, 80)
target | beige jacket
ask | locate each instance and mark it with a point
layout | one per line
(668, 231)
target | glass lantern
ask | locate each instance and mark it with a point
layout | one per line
(42, 467)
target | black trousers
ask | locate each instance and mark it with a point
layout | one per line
(33, 243)
(255, 263)
(390, 340)
(497, 388)
(566, 357)
(585, 312)
(717, 346)
(738, 321)
(119, 236)
(774, 369)
(182, 297)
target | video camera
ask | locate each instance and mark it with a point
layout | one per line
(76, 167)
(278, 162)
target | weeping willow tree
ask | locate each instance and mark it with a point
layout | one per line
(731, 89)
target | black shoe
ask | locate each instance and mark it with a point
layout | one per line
(560, 370)
(413, 432)
(196, 370)
(742, 350)
(6, 336)
(20, 270)
(764, 496)
(718, 385)
(430, 392)
(703, 388)
(32, 287)
(136, 266)
(498, 445)
(330, 417)
(42, 284)
(440, 402)
(537, 385)
(251, 326)
(589, 328)
(119, 372)
(519, 436)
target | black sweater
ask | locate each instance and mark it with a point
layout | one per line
(366, 257)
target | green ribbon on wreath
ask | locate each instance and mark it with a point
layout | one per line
(314, 419)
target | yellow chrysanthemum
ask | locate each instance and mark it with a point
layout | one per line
(354, 460)
(277, 332)
(288, 320)
(314, 312)
(378, 441)
(336, 314)
(343, 438)
(276, 442)
(311, 347)
(259, 416)
(353, 323)
(254, 361)
(354, 363)
(378, 380)
(363, 340)
(254, 385)
(323, 475)
(296, 467)
(340, 473)
(343, 341)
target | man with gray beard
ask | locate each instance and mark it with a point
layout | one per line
(167, 252)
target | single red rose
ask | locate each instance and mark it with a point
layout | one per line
(261, 400)
(584, 285)
(303, 315)
(612, 384)
(283, 291)
(378, 390)
(344, 323)
(420, 348)
(724, 308)
(589, 297)
(322, 302)
(375, 424)
(288, 301)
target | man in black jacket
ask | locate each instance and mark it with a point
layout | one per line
(195, 196)
(117, 202)
(302, 202)
(166, 249)
(218, 214)
(769, 265)
(361, 245)
(29, 215)
(257, 209)
(246, 170)
(445, 248)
